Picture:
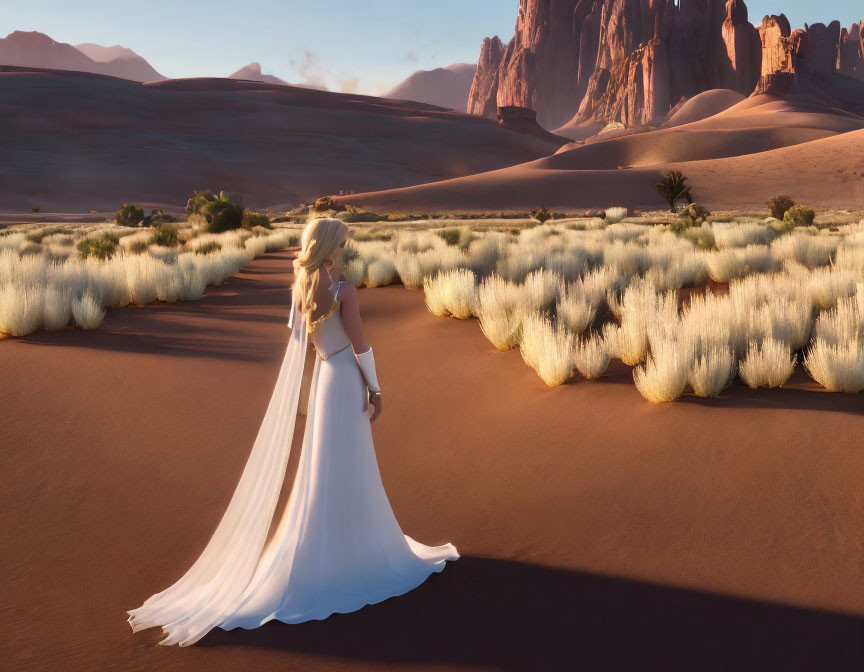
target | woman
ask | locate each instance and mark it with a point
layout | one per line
(338, 546)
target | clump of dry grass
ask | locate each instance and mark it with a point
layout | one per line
(591, 357)
(712, 371)
(838, 367)
(663, 378)
(768, 364)
(548, 348)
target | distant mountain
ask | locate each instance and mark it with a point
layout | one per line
(445, 87)
(36, 50)
(253, 72)
(126, 63)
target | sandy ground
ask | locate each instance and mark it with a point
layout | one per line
(598, 532)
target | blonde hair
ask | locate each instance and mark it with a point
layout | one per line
(320, 239)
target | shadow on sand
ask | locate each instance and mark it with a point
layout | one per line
(513, 616)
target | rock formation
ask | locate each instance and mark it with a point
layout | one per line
(632, 61)
(483, 96)
(445, 87)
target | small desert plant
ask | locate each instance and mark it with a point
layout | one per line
(837, 367)
(541, 214)
(354, 215)
(252, 219)
(798, 215)
(87, 312)
(574, 310)
(198, 203)
(712, 371)
(222, 214)
(663, 378)
(380, 273)
(778, 206)
(99, 248)
(157, 217)
(20, 308)
(450, 236)
(165, 236)
(693, 215)
(327, 204)
(674, 188)
(591, 357)
(615, 215)
(35, 208)
(129, 215)
(548, 348)
(56, 308)
(767, 365)
(355, 271)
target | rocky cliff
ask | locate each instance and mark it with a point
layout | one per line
(632, 61)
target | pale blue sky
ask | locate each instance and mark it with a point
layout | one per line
(356, 45)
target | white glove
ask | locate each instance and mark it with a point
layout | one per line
(366, 362)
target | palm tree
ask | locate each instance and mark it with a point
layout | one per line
(673, 188)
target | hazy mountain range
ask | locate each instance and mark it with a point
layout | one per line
(445, 87)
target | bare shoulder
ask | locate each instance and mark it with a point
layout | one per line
(348, 292)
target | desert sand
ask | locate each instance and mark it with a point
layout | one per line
(98, 142)
(738, 158)
(597, 531)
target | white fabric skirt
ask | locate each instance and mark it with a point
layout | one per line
(338, 546)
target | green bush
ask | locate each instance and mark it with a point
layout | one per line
(673, 188)
(450, 236)
(197, 205)
(222, 214)
(798, 215)
(159, 217)
(779, 205)
(253, 219)
(100, 248)
(542, 215)
(129, 215)
(165, 235)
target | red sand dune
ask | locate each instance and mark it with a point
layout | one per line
(597, 531)
(76, 142)
(738, 158)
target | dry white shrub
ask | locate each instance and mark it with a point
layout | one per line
(663, 378)
(726, 265)
(460, 293)
(574, 310)
(837, 367)
(436, 295)
(631, 342)
(842, 324)
(355, 272)
(56, 307)
(712, 371)
(591, 356)
(741, 234)
(767, 365)
(808, 250)
(87, 312)
(409, 270)
(20, 308)
(548, 348)
(540, 290)
(615, 215)
(500, 309)
(380, 272)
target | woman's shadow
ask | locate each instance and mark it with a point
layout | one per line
(514, 616)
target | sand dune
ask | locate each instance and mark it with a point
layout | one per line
(709, 535)
(737, 158)
(80, 142)
(704, 105)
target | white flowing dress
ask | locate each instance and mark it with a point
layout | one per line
(338, 545)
